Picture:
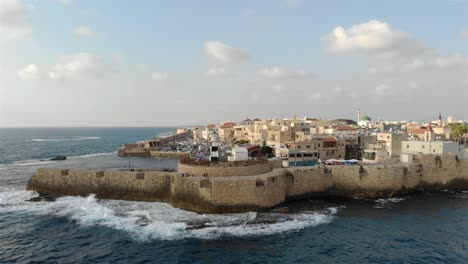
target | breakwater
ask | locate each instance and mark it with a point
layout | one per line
(237, 188)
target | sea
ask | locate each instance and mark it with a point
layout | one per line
(426, 228)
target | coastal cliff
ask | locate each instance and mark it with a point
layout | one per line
(231, 187)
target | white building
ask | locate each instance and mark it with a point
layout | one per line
(238, 153)
(430, 146)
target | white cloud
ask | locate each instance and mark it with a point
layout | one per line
(451, 60)
(84, 31)
(315, 97)
(159, 76)
(216, 71)
(382, 89)
(79, 66)
(275, 72)
(372, 35)
(220, 52)
(272, 72)
(14, 22)
(29, 73)
(279, 88)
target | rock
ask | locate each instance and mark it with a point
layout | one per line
(59, 158)
(43, 198)
(281, 210)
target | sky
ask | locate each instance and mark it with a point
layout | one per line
(173, 63)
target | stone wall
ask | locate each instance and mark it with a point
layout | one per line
(223, 170)
(227, 189)
(145, 186)
(228, 194)
(169, 154)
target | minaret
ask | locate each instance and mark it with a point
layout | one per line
(440, 122)
(358, 115)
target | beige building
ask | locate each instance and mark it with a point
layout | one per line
(227, 132)
(392, 142)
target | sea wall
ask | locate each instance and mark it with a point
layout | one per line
(228, 194)
(126, 185)
(169, 154)
(224, 169)
(222, 189)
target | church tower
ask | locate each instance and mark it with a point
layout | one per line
(440, 122)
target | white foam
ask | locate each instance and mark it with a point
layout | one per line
(39, 162)
(15, 197)
(93, 155)
(387, 203)
(61, 139)
(145, 221)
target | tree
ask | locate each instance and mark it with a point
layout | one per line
(267, 151)
(458, 130)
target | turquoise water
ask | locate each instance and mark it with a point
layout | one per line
(431, 228)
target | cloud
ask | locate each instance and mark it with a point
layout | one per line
(451, 60)
(29, 73)
(315, 96)
(220, 52)
(382, 89)
(276, 72)
(84, 31)
(370, 36)
(216, 71)
(159, 76)
(79, 66)
(273, 72)
(14, 23)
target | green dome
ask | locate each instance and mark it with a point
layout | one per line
(366, 118)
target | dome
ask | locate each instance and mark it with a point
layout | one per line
(366, 118)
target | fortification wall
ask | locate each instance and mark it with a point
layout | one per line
(445, 170)
(304, 181)
(224, 170)
(228, 194)
(228, 189)
(169, 154)
(145, 186)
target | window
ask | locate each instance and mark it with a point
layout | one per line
(407, 146)
(299, 146)
(308, 146)
(299, 155)
(214, 148)
(292, 155)
(433, 150)
(319, 145)
(424, 146)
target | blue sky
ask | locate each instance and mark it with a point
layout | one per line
(277, 52)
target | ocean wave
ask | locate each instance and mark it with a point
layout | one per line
(41, 162)
(93, 155)
(145, 221)
(61, 139)
(387, 203)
